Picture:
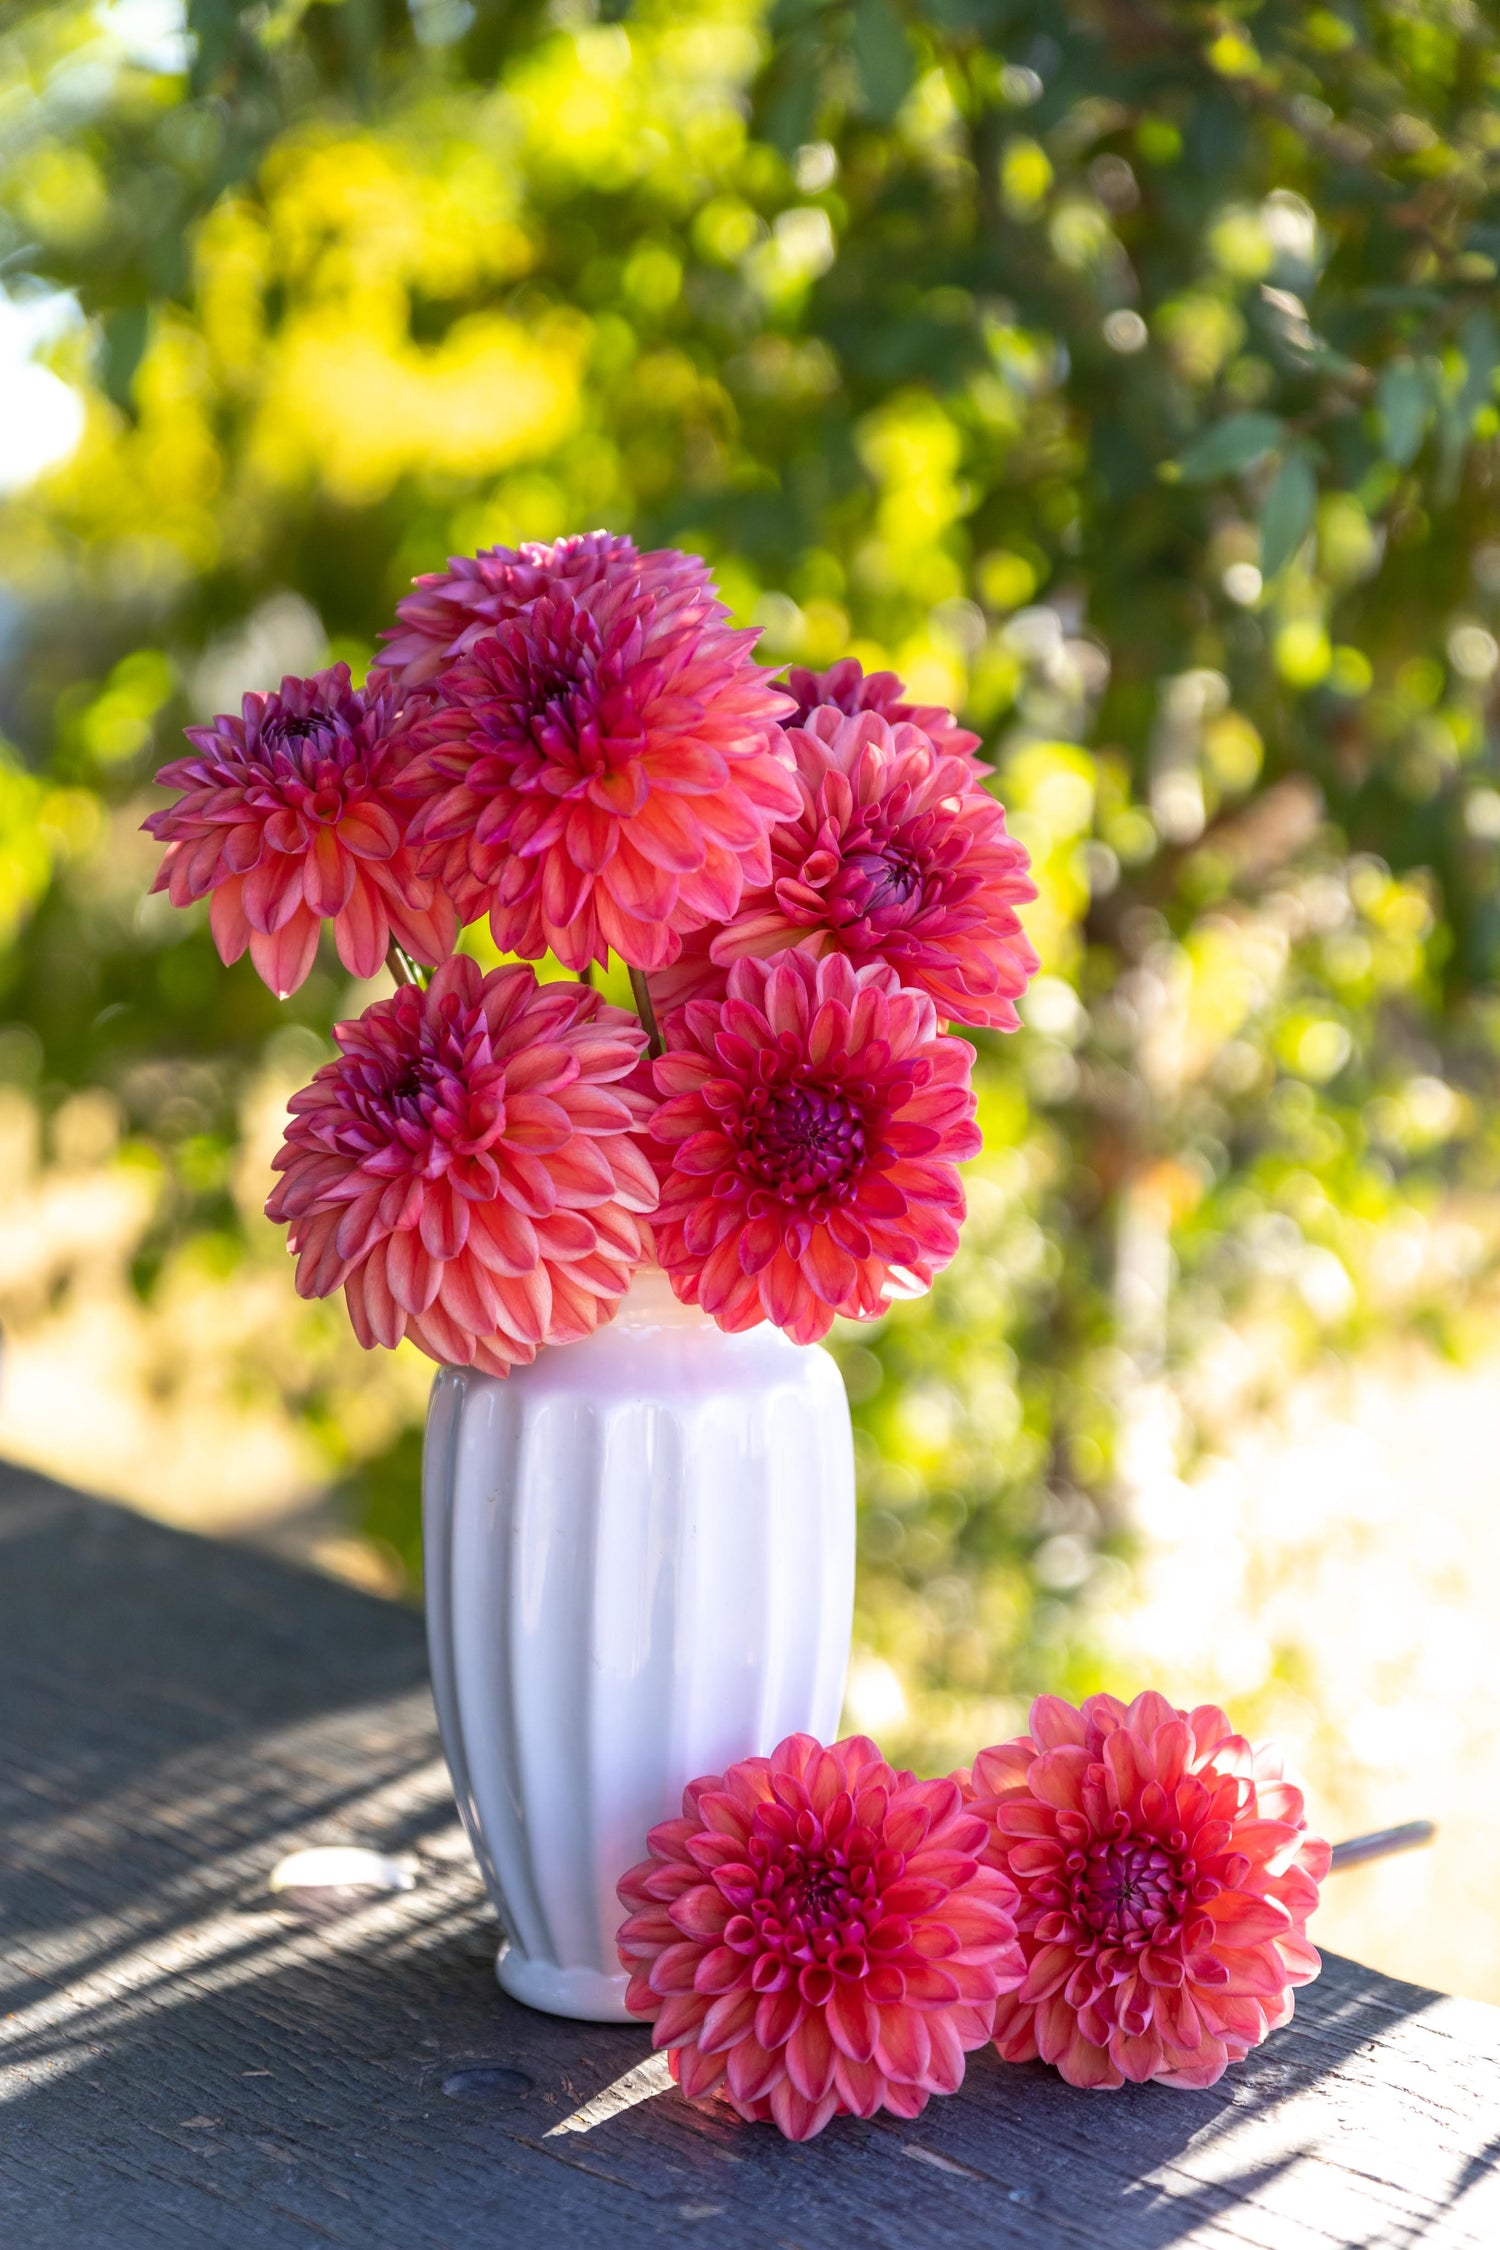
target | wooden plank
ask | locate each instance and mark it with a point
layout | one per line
(183, 2064)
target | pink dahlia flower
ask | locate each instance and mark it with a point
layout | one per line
(447, 611)
(465, 1170)
(289, 818)
(807, 1145)
(847, 687)
(1165, 1874)
(816, 1937)
(896, 855)
(600, 772)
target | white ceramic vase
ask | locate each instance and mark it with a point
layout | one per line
(640, 1567)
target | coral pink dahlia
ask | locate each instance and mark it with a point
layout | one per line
(816, 1937)
(600, 771)
(806, 1144)
(465, 1170)
(447, 611)
(1165, 1874)
(897, 855)
(847, 687)
(288, 818)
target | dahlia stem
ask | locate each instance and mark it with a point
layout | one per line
(644, 1009)
(1381, 1842)
(403, 968)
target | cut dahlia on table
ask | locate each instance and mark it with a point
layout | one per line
(1165, 1875)
(817, 1936)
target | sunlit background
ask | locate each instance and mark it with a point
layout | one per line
(1125, 377)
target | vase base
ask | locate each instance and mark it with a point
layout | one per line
(589, 1995)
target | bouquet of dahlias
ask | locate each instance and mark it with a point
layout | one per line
(808, 881)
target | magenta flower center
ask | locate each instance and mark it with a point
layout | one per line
(1134, 1890)
(309, 766)
(888, 878)
(804, 1140)
(558, 697)
(432, 1101)
(813, 1907)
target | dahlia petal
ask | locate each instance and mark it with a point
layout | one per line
(1204, 2069)
(1299, 1957)
(751, 2072)
(678, 2016)
(903, 2049)
(853, 2024)
(860, 2086)
(284, 958)
(1047, 1971)
(810, 2057)
(945, 2069)
(729, 2018)
(798, 2118)
(361, 932)
(370, 829)
(667, 834)
(226, 921)
(413, 1276)
(385, 1317)
(1057, 1777)
(273, 894)
(698, 2074)
(1244, 1920)
(1083, 2064)
(830, 1270)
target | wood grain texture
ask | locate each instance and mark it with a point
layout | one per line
(181, 2064)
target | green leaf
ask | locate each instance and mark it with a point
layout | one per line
(1287, 512)
(882, 55)
(1235, 444)
(1405, 405)
(125, 330)
(1480, 346)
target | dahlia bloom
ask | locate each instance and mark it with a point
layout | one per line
(847, 687)
(289, 817)
(896, 855)
(1165, 1874)
(601, 770)
(806, 1145)
(816, 1937)
(465, 1170)
(447, 611)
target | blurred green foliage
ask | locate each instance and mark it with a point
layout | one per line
(1123, 373)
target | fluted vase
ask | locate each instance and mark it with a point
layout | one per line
(639, 1567)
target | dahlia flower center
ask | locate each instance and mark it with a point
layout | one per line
(431, 1106)
(891, 876)
(817, 1906)
(804, 1140)
(311, 765)
(1130, 1890)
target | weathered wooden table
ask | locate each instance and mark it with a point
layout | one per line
(181, 2063)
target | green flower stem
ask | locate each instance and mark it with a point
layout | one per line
(646, 1011)
(403, 968)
